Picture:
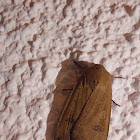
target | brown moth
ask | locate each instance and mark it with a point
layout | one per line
(86, 115)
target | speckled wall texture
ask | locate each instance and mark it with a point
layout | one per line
(37, 36)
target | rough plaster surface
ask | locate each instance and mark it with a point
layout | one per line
(36, 36)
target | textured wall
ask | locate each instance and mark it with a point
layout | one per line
(36, 36)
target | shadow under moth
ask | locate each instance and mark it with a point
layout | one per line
(86, 115)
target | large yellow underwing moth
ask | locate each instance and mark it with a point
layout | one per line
(86, 115)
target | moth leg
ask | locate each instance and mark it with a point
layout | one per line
(112, 77)
(119, 77)
(115, 103)
(68, 90)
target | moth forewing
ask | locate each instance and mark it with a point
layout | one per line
(86, 115)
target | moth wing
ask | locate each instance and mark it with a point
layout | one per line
(72, 109)
(93, 122)
(86, 115)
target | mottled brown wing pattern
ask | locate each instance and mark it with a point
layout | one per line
(86, 115)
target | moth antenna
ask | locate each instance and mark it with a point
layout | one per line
(115, 103)
(78, 65)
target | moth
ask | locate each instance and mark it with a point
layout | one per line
(86, 115)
